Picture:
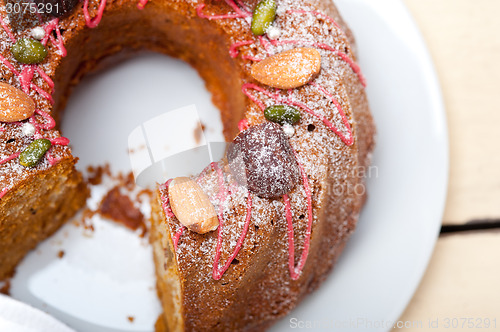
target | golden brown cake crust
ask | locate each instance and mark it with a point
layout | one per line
(34, 201)
(35, 209)
(257, 288)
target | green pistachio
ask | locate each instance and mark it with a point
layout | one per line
(282, 114)
(263, 16)
(34, 152)
(28, 51)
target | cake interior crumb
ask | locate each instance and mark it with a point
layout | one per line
(120, 208)
(116, 197)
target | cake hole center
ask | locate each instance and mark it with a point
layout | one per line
(106, 107)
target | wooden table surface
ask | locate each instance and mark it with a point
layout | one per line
(460, 290)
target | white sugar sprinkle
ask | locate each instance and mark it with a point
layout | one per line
(28, 129)
(38, 33)
(273, 33)
(288, 130)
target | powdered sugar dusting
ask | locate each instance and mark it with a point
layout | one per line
(322, 135)
(324, 142)
(36, 82)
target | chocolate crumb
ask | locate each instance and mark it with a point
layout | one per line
(60, 254)
(130, 181)
(198, 133)
(87, 215)
(144, 192)
(96, 173)
(120, 208)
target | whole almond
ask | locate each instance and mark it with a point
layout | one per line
(15, 105)
(289, 69)
(192, 206)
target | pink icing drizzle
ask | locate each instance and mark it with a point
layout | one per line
(7, 30)
(27, 72)
(320, 14)
(3, 192)
(242, 5)
(217, 271)
(165, 204)
(239, 13)
(354, 66)
(349, 141)
(59, 141)
(5, 160)
(45, 77)
(233, 49)
(42, 92)
(141, 4)
(8, 65)
(233, 52)
(59, 43)
(51, 159)
(265, 44)
(243, 12)
(252, 58)
(289, 101)
(166, 200)
(26, 77)
(243, 125)
(296, 270)
(222, 187)
(177, 236)
(93, 22)
(9, 158)
(50, 122)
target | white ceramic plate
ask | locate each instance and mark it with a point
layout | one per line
(104, 278)
(13, 318)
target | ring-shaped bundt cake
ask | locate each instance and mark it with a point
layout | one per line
(241, 244)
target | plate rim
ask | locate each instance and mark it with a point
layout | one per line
(386, 9)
